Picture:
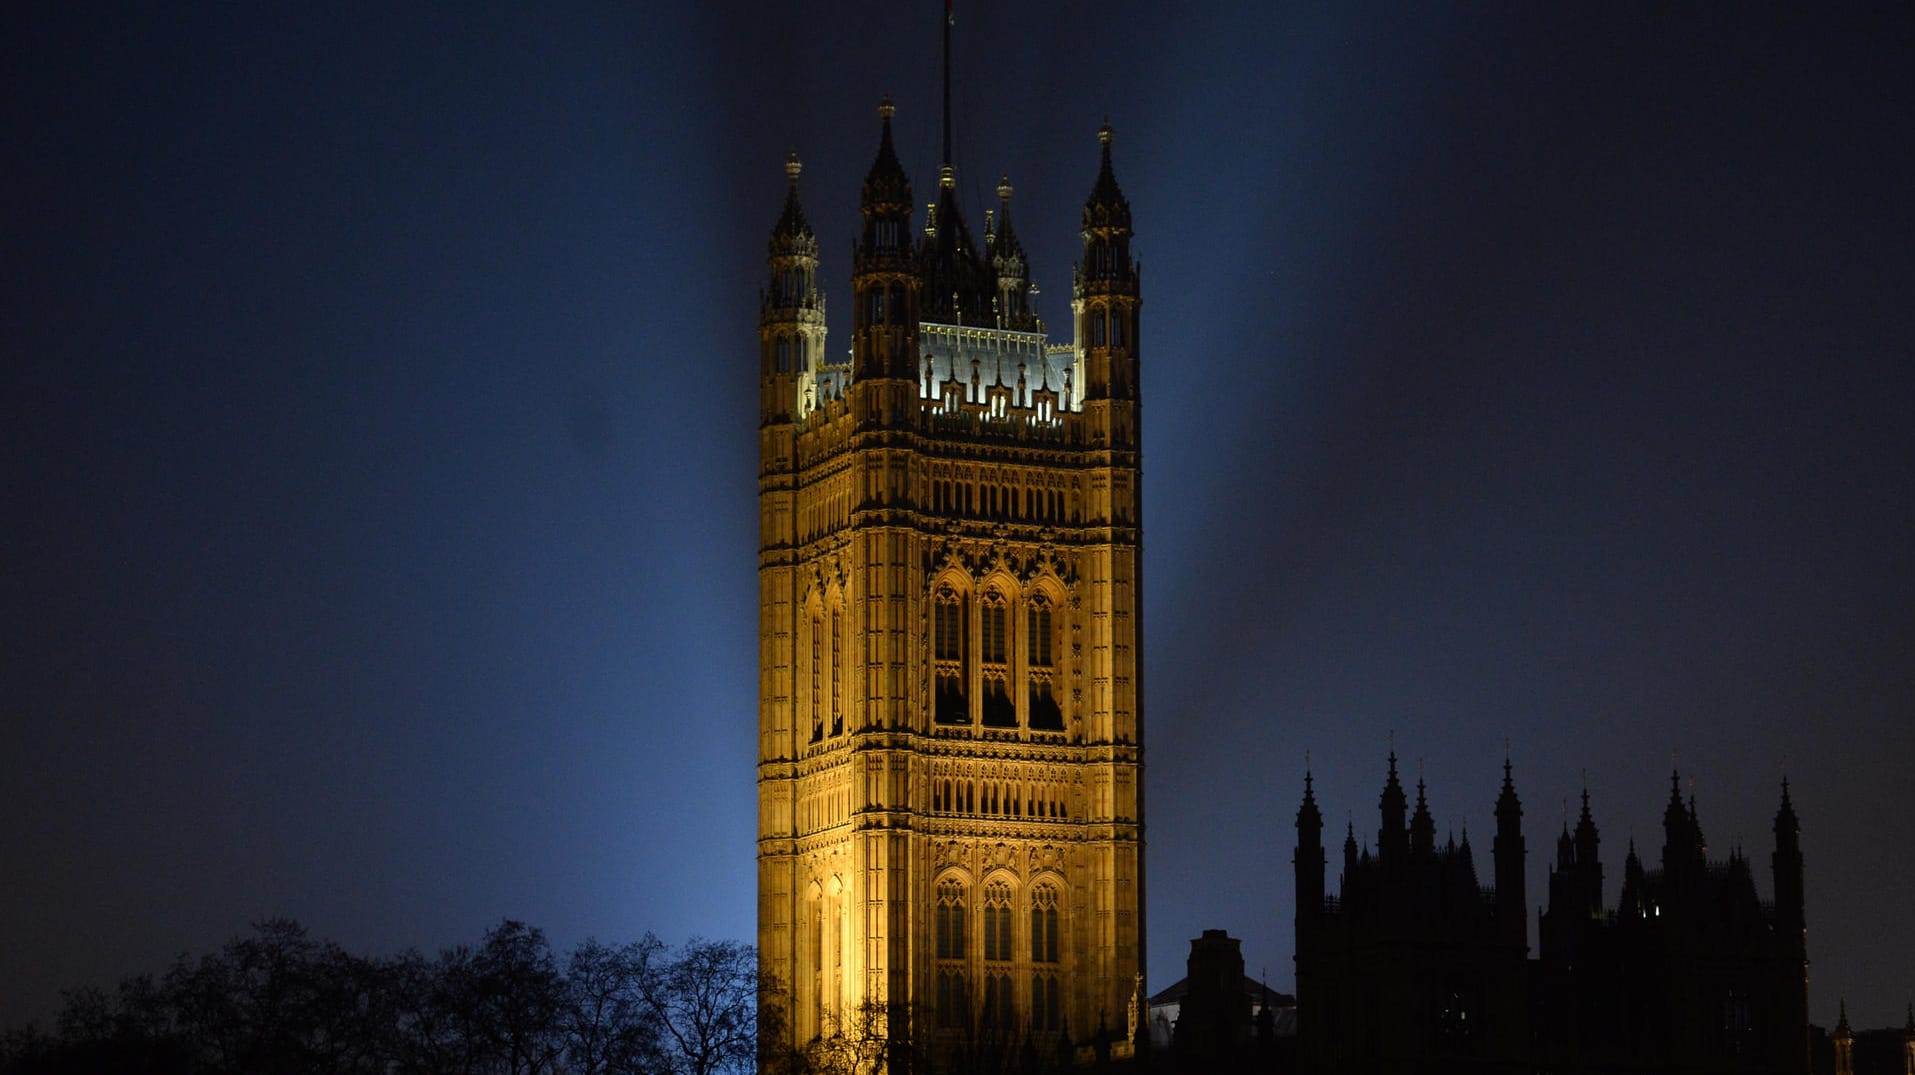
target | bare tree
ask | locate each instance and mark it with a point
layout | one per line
(608, 1026)
(705, 1003)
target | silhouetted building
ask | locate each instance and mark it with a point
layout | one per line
(1416, 966)
(1217, 1018)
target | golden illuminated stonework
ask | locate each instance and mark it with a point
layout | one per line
(950, 722)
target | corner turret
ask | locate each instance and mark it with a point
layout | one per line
(884, 282)
(1391, 839)
(1309, 858)
(791, 310)
(1512, 915)
(1012, 267)
(1422, 826)
(1105, 299)
(1588, 874)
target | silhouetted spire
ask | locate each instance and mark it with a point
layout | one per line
(1676, 838)
(1422, 826)
(1787, 828)
(1391, 838)
(1586, 836)
(1786, 864)
(1631, 901)
(1512, 909)
(1309, 858)
(1309, 817)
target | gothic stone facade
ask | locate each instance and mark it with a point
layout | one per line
(950, 721)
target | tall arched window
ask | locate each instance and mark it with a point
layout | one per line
(1040, 644)
(1047, 1002)
(817, 677)
(953, 1000)
(838, 661)
(997, 922)
(1044, 924)
(947, 629)
(998, 710)
(950, 919)
(999, 1008)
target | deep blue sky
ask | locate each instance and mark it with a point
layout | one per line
(379, 450)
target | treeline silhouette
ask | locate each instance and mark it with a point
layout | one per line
(279, 1002)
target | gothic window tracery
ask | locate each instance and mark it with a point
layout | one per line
(998, 709)
(948, 657)
(838, 662)
(1044, 945)
(997, 922)
(817, 687)
(1045, 714)
(953, 1000)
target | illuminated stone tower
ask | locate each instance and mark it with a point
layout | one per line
(950, 722)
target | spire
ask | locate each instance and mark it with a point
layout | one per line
(1006, 238)
(1422, 826)
(792, 224)
(1787, 828)
(1675, 818)
(1308, 814)
(887, 190)
(1586, 831)
(1842, 1021)
(1106, 206)
(1309, 858)
(791, 316)
(1390, 838)
(958, 283)
(1509, 809)
(1506, 853)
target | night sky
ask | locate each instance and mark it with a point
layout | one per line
(379, 440)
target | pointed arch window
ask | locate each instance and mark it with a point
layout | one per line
(1044, 944)
(996, 616)
(997, 923)
(953, 1000)
(838, 662)
(1000, 1007)
(1040, 670)
(947, 629)
(817, 686)
(995, 613)
(1047, 1002)
(950, 919)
